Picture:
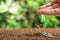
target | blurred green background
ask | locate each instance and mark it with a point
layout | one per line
(23, 14)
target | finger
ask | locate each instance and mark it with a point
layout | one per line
(55, 6)
(49, 7)
(45, 6)
(58, 1)
(49, 11)
(53, 2)
(57, 11)
(46, 11)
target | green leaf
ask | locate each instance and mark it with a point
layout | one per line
(3, 7)
(42, 18)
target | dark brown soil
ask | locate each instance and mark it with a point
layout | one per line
(29, 34)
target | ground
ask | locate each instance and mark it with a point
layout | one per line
(28, 34)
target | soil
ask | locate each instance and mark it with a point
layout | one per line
(29, 34)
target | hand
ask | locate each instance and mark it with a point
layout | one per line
(52, 8)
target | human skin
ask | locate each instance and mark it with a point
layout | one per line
(52, 8)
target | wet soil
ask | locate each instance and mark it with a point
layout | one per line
(29, 34)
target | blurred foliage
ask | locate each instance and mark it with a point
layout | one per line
(22, 14)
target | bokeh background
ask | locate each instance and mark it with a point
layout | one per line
(23, 14)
